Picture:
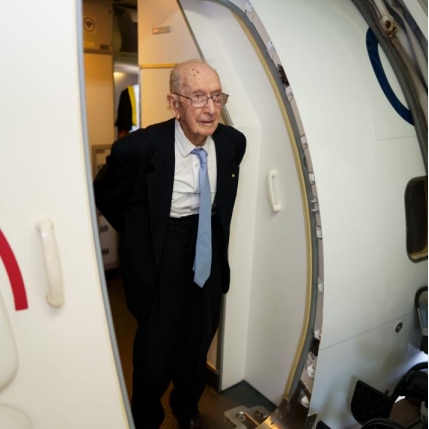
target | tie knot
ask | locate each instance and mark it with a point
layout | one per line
(202, 154)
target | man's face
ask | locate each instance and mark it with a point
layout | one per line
(197, 122)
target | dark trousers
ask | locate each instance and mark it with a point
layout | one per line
(175, 333)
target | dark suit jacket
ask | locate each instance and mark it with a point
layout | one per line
(133, 191)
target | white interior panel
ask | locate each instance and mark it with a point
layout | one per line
(174, 45)
(349, 126)
(154, 88)
(67, 376)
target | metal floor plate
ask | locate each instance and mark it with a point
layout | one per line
(247, 418)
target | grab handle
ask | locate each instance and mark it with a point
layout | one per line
(55, 296)
(274, 205)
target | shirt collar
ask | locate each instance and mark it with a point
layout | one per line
(184, 144)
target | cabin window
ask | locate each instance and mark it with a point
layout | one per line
(416, 203)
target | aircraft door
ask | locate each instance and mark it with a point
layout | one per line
(58, 365)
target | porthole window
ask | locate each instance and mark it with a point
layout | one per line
(416, 211)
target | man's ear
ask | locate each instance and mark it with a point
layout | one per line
(173, 104)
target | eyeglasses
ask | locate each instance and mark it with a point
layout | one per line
(200, 100)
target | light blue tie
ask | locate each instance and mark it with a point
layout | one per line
(203, 251)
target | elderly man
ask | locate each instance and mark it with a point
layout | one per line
(169, 190)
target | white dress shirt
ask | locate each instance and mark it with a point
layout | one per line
(186, 190)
